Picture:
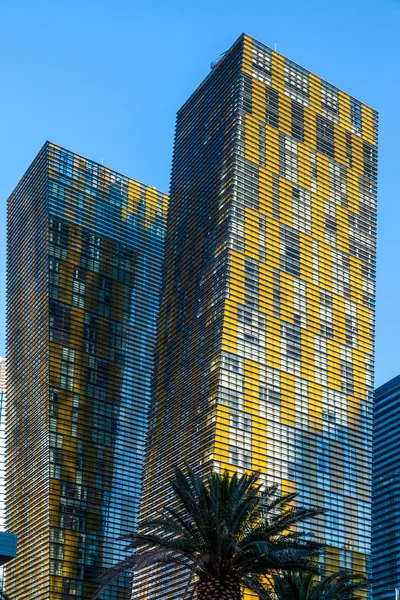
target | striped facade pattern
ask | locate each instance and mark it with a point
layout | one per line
(85, 251)
(264, 356)
(386, 492)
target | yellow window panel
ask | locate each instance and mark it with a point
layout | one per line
(368, 124)
(228, 344)
(278, 70)
(222, 454)
(247, 59)
(353, 190)
(288, 487)
(359, 565)
(273, 355)
(133, 196)
(315, 93)
(332, 560)
(358, 154)
(265, 192)
(151, 205)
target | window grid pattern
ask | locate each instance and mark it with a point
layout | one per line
(265, 346)
(80, 340)
(385, 491)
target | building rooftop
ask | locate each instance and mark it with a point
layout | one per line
(389, 386)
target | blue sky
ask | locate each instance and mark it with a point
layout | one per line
(105, 79)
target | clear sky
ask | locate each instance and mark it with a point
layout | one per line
(105, 79)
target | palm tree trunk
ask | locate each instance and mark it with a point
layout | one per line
(219, 589)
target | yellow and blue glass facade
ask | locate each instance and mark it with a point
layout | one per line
(85, 252)
(265, 347)
(386, 492)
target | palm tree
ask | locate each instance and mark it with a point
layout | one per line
(225, 531)
(341, 585)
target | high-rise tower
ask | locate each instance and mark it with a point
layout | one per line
(264, 355)
(2, 440)
(386, 492)
(2, 452)
(85, 249)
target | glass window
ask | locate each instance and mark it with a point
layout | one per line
(296, 82)
(79, 287)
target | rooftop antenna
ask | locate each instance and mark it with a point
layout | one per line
(276, 46)
(102, 161)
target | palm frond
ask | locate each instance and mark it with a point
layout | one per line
(191, 494)
(221, 525)
(137, 562)
(167, 529)
(253, 583)
(185, 520)
(341, 585)
(187, 587)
